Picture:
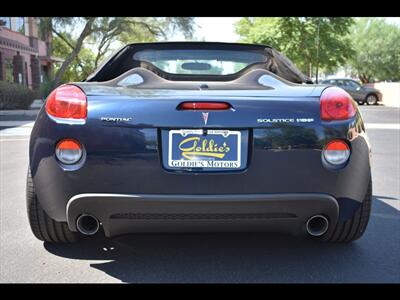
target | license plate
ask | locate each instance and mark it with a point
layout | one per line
(197, 148)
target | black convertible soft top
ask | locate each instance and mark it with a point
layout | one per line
(124, 60)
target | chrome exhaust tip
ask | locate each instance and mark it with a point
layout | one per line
(317, 225)
(87, 224)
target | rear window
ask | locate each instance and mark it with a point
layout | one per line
(198, 61)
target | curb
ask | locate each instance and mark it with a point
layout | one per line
(27, 123)
(19, 112)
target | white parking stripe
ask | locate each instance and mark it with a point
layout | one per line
(13, 140)
(17, 128)
(16, 131)
(16, 123)
(395, 203)
(382, 126)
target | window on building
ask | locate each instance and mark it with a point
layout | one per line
(6, 22)
(8, 70)
(20, 25)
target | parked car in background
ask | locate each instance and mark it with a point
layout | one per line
(361, 94)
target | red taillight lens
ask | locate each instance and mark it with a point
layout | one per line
(204, 106)
(337, 145)
(67, 102)
(336, 152)
(68, 144)
(69, 151)
(336, 104)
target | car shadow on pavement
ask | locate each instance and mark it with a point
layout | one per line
(246, 257)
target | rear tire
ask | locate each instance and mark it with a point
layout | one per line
(42, 226)
(371, 99)
(353, 228)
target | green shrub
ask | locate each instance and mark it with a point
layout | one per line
(15, 96)
(45, 88)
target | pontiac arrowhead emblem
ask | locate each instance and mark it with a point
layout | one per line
(205, 117)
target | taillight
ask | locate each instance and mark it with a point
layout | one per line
(336, 104)
(336, 152)
(69, 151)
(204, 106)
(67, 102)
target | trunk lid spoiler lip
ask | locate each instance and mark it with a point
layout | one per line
(256, 83)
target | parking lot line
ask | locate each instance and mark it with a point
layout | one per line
(382, 126)
(13, 140)
(26, 123)
(395, 203)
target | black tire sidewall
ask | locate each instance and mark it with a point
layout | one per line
(43, 227)
(373, 95)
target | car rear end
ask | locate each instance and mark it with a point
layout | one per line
(193, 137)
(133, 164)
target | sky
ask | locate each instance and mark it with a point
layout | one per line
(393, 20)
(221, 29)
(218, 29)
(213, 29)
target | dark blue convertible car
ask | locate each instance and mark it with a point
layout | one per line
(198, 137)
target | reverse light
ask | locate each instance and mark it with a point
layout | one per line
(204, 106)
(336, 104)
(336, 152)
(69, 151)
(67, 102)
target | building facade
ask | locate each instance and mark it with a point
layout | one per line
(25, 54)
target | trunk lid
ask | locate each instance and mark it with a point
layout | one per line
(158, 108)
(202, 141)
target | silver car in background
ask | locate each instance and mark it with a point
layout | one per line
(360, 93)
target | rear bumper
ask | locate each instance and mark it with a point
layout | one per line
(282, 159)
(123, 213)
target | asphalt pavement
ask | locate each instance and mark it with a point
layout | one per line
(226, 258)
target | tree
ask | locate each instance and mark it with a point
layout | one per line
(86, 31)
(310, 42)
(136, 29)
(376, 44)
(81, 66)
(56, 26)
(103, 31)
